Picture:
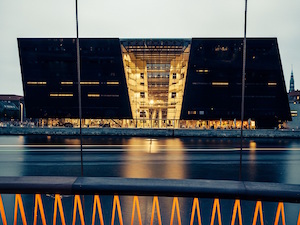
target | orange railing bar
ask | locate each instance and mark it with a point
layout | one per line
(216, 206)
(77, 203)
(216, 211)
(280, 208)
(61, 211)
(258, 208)
(19, 202)
(38, 204)
(155, 204)
(195, 206)
(137, 204)
(2, 211)
(97, 205)
(117, 204)
(237, 207)
(175, 205)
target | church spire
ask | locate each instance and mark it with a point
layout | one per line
(292, 84)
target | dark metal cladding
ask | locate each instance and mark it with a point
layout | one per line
(213, 85)
(53, 61)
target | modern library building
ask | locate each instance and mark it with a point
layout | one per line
(154, 83)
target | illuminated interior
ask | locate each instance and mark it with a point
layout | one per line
(155, 73)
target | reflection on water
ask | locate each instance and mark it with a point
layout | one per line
(144, 158)
(269, 160)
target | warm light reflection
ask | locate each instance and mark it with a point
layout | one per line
(252, 145)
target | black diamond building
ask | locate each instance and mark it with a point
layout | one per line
(155, 82)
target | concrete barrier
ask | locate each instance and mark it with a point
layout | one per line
(137, 132)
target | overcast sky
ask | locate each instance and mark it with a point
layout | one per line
(146, 19)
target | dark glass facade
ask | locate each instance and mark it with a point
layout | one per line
(154, 79)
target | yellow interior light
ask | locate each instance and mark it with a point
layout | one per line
(220, 83)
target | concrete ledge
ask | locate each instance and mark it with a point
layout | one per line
(263, 133)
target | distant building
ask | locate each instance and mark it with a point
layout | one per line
(155, 82)
(292, 82)
(11, 107)
(294, 101)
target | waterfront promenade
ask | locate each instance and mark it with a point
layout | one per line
(138, 132)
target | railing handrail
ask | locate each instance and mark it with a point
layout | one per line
(225, 189)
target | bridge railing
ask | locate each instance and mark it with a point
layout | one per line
(95, 200)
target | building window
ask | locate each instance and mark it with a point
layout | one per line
(219, 83)
(202, 71)
(89, 82)
(142, 83)
(61, 95)
(66, 83)
(173, 95)
(192, 112)
(272, 84)
(142, 114)
(36, 82)
(142, 94)
(142, 75)
(112, 82)
(294, 113)
(93, 95)
(174, 75)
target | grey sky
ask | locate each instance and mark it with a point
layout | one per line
(149, 19)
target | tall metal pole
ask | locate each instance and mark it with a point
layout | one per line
(79, 87)
(243, 90)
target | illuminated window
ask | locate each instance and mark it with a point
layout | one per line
(192, 112)
(66, 83)
(298, 97)
(219, 83)
(61, 95)
(294, 113)
(142, 94)
(114, 96)
(201, 112)
(93, 95)
(89, 82)
(202, 71)
(272, 84)
(112, 82)
(173, 95)
(36, 83)
(174, 75)
(221, 48)
(142, 114)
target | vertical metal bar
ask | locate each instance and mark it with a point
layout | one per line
(79, 87)
(243, 90)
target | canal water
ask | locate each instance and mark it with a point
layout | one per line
(264, 160)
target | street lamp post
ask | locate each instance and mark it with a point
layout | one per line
(243, 88)
(21, 112)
